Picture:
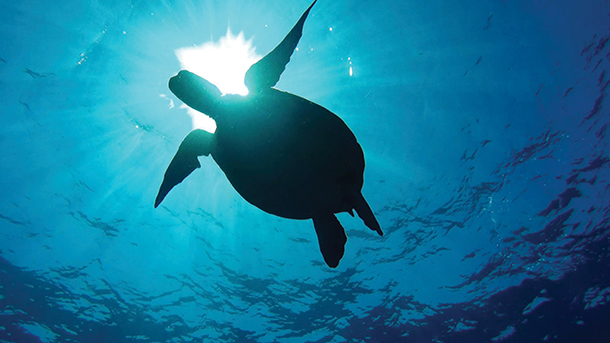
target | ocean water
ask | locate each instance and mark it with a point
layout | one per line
(483, 124)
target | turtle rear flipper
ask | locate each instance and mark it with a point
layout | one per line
(196, 143)
(331, 237)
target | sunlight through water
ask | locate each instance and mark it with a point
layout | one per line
(483, 125)
(224, 63)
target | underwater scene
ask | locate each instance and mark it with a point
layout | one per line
(296, 171)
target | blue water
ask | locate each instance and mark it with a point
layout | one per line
(483, 125)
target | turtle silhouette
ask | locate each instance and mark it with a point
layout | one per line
(282, 153)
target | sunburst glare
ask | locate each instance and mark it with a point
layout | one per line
(224, 63)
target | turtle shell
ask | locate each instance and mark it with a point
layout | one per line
(287, 155)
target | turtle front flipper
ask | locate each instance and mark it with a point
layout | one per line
(331, 237)
(196, 143)
(266, 72)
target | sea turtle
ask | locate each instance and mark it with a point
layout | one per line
(284, 154)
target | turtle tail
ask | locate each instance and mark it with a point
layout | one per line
(365, 213)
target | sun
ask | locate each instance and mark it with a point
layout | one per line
(224, 63)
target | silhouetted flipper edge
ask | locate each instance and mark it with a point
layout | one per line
(365, 213)
(331, 237)
(267, 71)
(196, 143)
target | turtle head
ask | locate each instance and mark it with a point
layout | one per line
(196, 92)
